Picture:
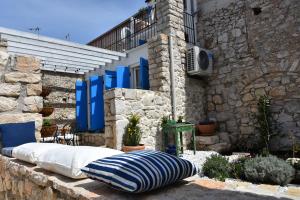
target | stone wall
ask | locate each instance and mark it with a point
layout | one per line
(149, 105)
(24, 181)
(255, 53)
(92, 139)
(189, 92)
(20, 87)
(62, 96)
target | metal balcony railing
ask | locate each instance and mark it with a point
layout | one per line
(136, 30)
(130, 33)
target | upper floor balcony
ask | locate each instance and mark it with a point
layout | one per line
(137, 30)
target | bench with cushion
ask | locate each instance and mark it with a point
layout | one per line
(15, 134)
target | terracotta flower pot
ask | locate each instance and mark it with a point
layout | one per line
(47, 111)
(45, 91)
(48, 131)
(133, 148)
(207, 129)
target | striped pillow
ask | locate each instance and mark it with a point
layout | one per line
(140, 171)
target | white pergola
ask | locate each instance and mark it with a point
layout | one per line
(58, 55)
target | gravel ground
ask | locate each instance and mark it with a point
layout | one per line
(199, 158)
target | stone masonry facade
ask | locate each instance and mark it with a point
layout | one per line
(62, 95)
(20, 87)
(188, 92)
(254, 54)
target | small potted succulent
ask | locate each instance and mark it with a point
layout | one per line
(48, 128)
(180, 119)
(132, 135)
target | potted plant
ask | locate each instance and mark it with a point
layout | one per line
(47, 110)
(180, 119)
(207, 126)
(48, 128)
(132, 135)
(46, 90)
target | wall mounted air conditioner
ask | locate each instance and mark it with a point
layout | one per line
(199, 61)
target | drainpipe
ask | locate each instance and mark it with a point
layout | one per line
(173, 99)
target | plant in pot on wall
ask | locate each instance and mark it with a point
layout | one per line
(207, 126)
(47, 110)
(132, 135)
(48, 128)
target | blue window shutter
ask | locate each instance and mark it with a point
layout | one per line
(81, 106)
(96, 103)
(123, 77)
(110, 79)
(144, 74)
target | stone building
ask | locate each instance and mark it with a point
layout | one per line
(255, 46)
(256, 52)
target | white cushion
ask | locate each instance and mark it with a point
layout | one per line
(30, 152)
(68, 160)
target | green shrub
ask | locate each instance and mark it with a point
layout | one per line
(217, 167)
(269, 169)
(132, 135)
(238, 168)
(47, 122)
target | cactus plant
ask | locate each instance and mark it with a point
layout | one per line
(132, 135)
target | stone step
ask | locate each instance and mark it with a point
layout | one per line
(219, 142)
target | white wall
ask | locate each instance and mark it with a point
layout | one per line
(132, 58)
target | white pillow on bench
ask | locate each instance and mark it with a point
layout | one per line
(68, 160)
(30, 152)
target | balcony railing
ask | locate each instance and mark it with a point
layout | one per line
(130, 33)
(136, 30)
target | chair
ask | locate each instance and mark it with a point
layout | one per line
(69, 135)
(49, 134)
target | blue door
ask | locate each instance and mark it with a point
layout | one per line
(81, 106)
(96, 104)
(144, 74)
(110, 79)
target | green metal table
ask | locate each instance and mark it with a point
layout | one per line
(178, 129)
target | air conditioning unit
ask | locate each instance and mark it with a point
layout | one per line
(199, 61)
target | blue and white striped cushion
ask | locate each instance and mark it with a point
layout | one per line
(140, 171)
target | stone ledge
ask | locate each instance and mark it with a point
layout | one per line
(20, 180)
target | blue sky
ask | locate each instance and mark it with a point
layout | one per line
(82, 19)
